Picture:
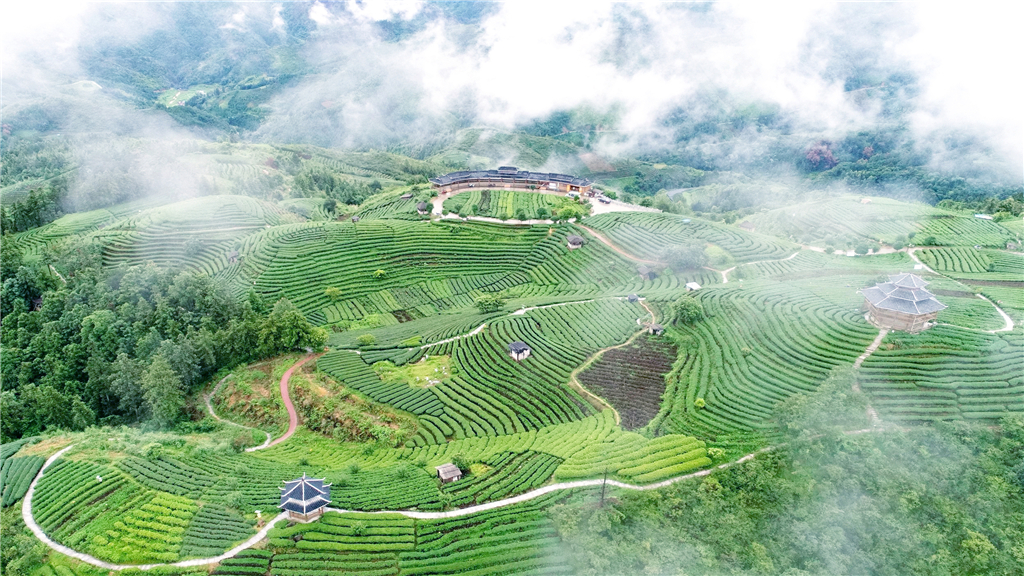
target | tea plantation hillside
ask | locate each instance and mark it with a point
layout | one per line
(639, 371)
(844, 221)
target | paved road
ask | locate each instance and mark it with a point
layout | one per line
(293, 417)
(26, 514)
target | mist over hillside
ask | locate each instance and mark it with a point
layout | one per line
(765, 318)
(868, 94)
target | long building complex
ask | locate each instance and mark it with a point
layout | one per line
(511, 178)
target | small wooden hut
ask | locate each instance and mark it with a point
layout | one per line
(449, 473)
(422, 208)
(574, 241)
(645, 272)
(519, 351)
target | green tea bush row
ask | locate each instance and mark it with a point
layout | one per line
(510, 474)
(168, 475)
(16, 475)
(213, 530)
(946, 373)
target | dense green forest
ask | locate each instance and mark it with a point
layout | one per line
(123, 345)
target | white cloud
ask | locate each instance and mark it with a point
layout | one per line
(320, 14)
(377, 10)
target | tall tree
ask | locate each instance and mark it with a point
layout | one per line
(163, 392)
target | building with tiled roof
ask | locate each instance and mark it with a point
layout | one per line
(510, 178)
(902, 303)
(305, 499)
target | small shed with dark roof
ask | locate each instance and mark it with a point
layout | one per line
(519, 351)
(305, 499)
(645, 272)
(632, 298)
(449, 473)
(574, 241)
(655, 329)
(747, 225)
(422, 208)
(902, 303)
(355, 218)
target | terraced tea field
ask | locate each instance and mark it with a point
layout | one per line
(517, 539)
(199, 234)
(946, 373)
(504, 204)
(775, 326)
(646, 235)
(428, 267)
(762, 343)
(842, 220)
(972, 264)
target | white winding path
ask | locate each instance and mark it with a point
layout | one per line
(518, 312)
(1006, 317)
(209, 408)
(725, 273)
(910, 252)
(26, 512)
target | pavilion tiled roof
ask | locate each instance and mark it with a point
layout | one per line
(305, 495)
(903, 293)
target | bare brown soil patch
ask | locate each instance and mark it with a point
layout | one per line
(632, 378)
